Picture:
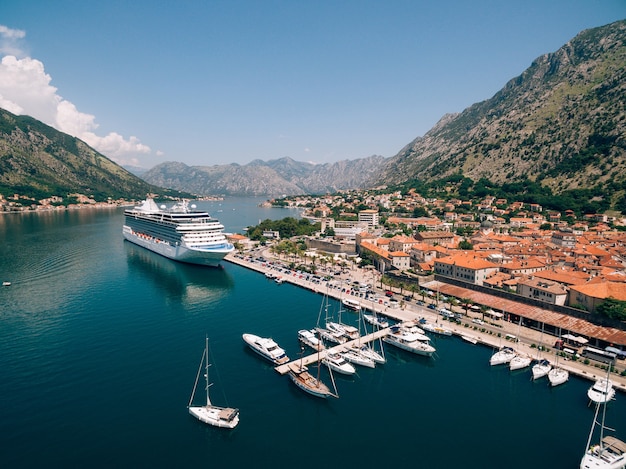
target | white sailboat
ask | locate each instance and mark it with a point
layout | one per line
(557, 375)
(543, 366)
(609, 453)
(601, 391)
(520, 360)
(224, 417)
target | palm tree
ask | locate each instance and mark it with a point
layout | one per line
(466, 303)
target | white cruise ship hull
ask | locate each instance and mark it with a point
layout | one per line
(207, 257)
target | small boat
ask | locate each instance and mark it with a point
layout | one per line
(6, 284)
(224, 417)
(355, 355)
(368, 352)
(519, 361)
(338, 363)
(469, 338)
(309, 339)
(351, 304)
(502, 356)
(267, 348)
(279, 280)
(410, 341)
(601, 391)
(376, 320)
(435, 328)
(331, 336)
(609, 453)
(557, 375)
(541, 368)
(349, 332)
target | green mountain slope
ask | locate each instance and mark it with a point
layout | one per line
(38, 161)
(561, 123)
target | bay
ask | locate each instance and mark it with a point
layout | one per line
(100, 341)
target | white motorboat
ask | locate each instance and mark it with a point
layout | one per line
(224, 417)
(436, 329)
(331, 336)
(502, 356)
(541, 368)
(469, 338)
(351, 304)
(267, 348)
(309, 338)
(601, 391)
(376, 320)
(338, 363)
(349, 332)
(410, 341)
(557, 375)
(519, 361)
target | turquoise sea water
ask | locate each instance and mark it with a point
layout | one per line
(100, 341)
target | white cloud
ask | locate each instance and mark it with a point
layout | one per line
(9, 41)
(25, 89)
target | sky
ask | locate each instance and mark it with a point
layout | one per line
(212, 82)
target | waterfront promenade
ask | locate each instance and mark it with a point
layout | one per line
(494, 335)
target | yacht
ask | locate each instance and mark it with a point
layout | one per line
(367, 351)
(376, 320)
(338, 363)
(181, 232)
(410, 341)
(541, 368)
(310, 339)
(267, 348)
(349, 332)
(435, 329)
(351, 304)
(602, 391)
(502, 356)
(331, 336)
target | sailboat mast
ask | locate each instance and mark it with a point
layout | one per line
(206, 372)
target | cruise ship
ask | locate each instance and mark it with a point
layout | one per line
(180, 233)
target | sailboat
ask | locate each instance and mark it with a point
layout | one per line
(301, 377)
(609, 453)
(224, 417)
(543, 366)
(520, 360)
(557, 375)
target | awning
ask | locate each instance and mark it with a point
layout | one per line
(575, 338)
(494, 314)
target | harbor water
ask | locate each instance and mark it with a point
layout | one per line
(100, 342)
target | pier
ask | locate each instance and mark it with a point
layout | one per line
(315, 356)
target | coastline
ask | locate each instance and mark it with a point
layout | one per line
(524, 337)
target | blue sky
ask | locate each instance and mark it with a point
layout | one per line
(229, 81)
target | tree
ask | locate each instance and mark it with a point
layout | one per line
(466, 245)
(612, 308)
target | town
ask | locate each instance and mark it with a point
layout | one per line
(504, 261)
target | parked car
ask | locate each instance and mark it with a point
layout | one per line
(389, 293)
(432, 306)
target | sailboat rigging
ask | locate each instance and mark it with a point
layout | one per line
(224, 417)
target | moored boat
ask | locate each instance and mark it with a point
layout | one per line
(267, 348)
(224, 417)
(557, 376)
(541, 368)
(601, 391)
(502, 356)
(338, 363)
(376, 320)
(309, 338)
(351, 304)
(410, 341)
(519, 361)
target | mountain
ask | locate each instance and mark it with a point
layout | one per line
(561, 123)
(38, 161)
(283, 176)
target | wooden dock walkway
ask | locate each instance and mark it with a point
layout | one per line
(315, 356)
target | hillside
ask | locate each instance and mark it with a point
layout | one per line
(561, 123)
(284, 176)
(38, 161)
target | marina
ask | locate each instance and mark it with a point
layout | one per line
(123, 327)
